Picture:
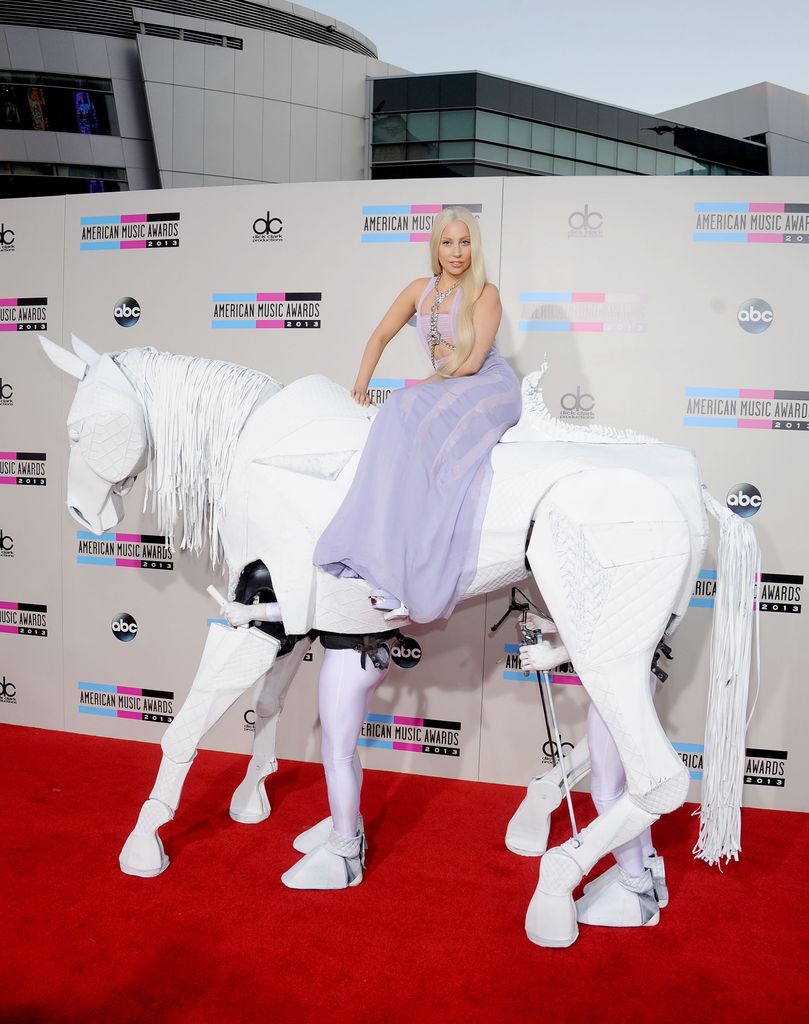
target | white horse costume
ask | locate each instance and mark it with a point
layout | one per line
(257, 470)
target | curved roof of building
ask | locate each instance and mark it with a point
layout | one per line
(115, 18)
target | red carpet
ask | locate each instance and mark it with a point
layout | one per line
(434, 933)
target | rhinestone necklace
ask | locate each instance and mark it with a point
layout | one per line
(434, 338)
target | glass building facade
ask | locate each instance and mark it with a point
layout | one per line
(472, 124)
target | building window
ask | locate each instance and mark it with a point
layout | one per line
(647, 161)
(494, 154)
(389, 128)
(423, 127)
(33, 179)
(519, 133)
(31, 101)
(492, 127)
(606, 152)
(457, 124)
(564, 142)
(454, 150)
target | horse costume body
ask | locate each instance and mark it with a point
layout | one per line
(612, 523)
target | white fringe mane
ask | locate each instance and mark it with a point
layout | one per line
(195, 410)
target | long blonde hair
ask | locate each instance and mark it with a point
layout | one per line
(472, 282)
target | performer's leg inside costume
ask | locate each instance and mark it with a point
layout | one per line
(608, 782)
(345, 693)
(348, 678)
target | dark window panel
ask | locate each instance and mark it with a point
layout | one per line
(493, 93)
(389, 94)
(520, 99)
(543, 105)
(424, 93)
(458, 90)
(424, 150)
(422, 126)
(646, 135)
(607, 121)
(389, 128)
(388, 153)
(628, 126)
(586, 116)
(566, 110)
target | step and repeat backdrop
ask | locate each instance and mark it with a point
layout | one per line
(672, 306)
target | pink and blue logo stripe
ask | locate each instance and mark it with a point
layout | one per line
(119, 225)
(22, 304)
(762, 216)
(110, 701)
(581, 326)
(749, 398)
(250, 300)
(404, 222)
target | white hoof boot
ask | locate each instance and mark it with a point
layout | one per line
(527, 832)
(618, 900)
(336, 864)
(551, 916)
(319, 834)
(249, 803)
(143, 854)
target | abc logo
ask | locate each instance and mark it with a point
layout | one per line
(406, 653)
(7, 690)
(6, 235)
(127, 311)
(6, 391)
(744, 500)
(6, 542)
(268, 225)
(124, 627)
(754, 315)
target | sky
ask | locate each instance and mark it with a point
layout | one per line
(645, 55)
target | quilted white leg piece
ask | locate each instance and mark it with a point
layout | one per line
(618, 900)
(232, 661)
(318, 834)
(611, 575)
(657, 868)
(250, 804)
(335, 864)
(527, 832)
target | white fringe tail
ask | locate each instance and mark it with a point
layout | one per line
(738, 567)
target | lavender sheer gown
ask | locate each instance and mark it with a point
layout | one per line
(411, 521)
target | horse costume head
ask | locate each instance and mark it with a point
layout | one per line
(109, 441)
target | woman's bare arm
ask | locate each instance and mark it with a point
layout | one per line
(391, 323)
(486, 315)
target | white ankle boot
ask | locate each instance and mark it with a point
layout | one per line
(335, 864)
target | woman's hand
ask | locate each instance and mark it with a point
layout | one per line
(361, 396)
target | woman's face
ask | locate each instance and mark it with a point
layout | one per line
(455, 249)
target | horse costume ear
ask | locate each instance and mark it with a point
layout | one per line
(63, 359)
(84, 351)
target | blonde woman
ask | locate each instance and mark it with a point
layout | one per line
(410, 524)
